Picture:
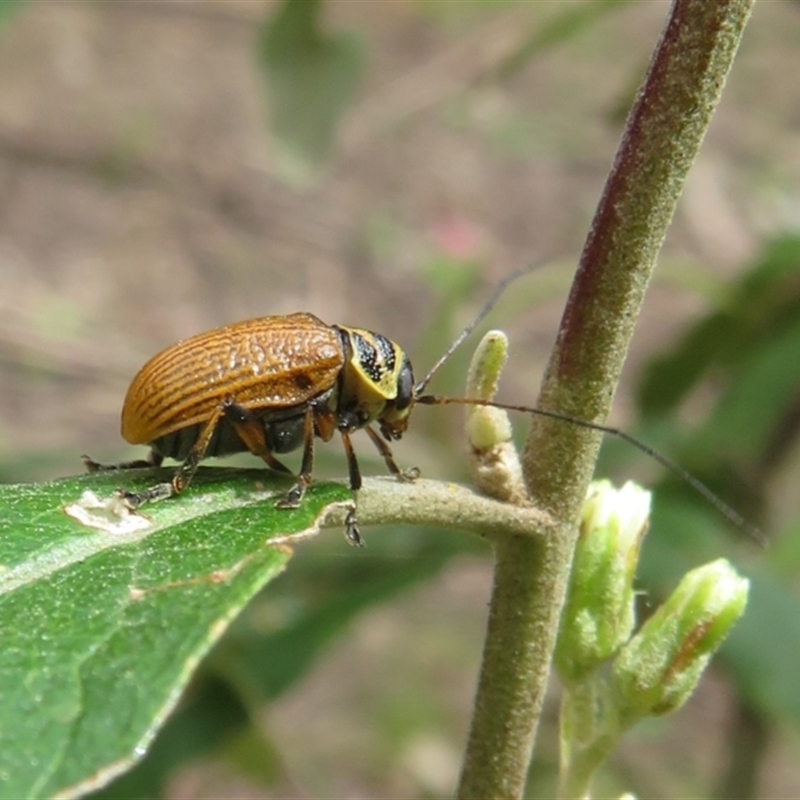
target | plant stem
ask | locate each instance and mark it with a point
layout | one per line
(590, 729)
(662, 136)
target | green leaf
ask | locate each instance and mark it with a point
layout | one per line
(759, 312)
(101, 631)
(211, 719)
(311, 80)
(8, 8)
(758, 399)
(669, 379)
(318, 599)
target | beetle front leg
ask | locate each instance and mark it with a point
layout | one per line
(405, 475)
(351, 530)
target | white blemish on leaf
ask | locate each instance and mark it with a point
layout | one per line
(109, 514)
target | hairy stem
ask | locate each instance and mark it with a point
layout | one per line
(662, 136)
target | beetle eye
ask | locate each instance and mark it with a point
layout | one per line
(405, 386)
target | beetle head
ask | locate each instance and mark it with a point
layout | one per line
(377, 381)
(393, 419)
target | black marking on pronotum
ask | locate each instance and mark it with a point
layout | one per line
(367, 357)
(386, 350)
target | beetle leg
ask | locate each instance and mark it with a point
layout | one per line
(405, 475)
(153, 460)
(293, 497)
(352, 462)
(351, 531)
(250, 430)
(183, 477)
(161, 491)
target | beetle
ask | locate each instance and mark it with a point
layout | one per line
(268, 386)
(273, 384)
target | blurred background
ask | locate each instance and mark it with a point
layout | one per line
(168, 167)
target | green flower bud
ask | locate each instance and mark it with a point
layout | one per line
(487, 426)
(661, 666)
(494, 459)
(599, 613)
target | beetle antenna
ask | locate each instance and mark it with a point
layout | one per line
(490, 303)
(733, 516)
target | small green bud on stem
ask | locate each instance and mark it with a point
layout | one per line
(494, 459)
(599, 613)
(660, 667)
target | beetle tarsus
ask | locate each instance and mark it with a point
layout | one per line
(351, 531)
(409, 475)
(294, 496)
(161, 491)
(92, 465)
